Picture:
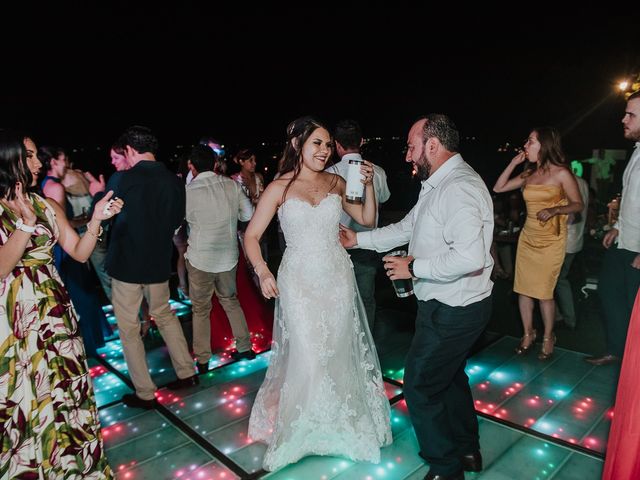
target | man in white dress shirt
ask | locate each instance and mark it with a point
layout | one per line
(620, 276)
(449, 231)
(215, 203)
(348, 139)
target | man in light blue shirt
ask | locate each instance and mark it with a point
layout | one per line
(449, 231)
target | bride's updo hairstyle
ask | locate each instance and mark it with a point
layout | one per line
(298, 132)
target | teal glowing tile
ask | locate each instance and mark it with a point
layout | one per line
(392, 364)
(213, 418)
(250, 457)
(158, 361)
(495, 440)
(230, 437)
(527, 458)
(211, 471)
(419, 473)
(107, 386)
(597, 438)
(175, 464)
(544, 393)
(580, 467)
(480, 366)
(576, 416)
(396, 461)
(574, 419)
(187, 402)
(312, 467)
(141, 448)
(504, 382)
(400, 419)
(121, 431)
(180, 308)
(117, 413)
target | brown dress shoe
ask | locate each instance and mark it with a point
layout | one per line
(603, 360)
(472, 462)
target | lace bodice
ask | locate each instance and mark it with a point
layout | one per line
(311, 231)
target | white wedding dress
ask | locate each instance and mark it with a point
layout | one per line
(323, 393)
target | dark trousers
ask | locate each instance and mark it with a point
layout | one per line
(365, 266)
(436, 386)
(563, 293)
(617, 287)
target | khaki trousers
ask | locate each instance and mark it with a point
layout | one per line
(126, 298)
(202, 286)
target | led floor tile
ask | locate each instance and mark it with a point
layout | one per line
(564, 398)
(107, 386)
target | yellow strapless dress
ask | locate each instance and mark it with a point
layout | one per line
(541, 246)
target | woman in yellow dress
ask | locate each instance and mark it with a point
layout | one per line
(551, 193)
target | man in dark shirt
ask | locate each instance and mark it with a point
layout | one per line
(139, 261)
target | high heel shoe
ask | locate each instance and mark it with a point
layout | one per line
(544, 355)
(521, 349)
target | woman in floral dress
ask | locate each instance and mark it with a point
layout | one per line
(49, 426)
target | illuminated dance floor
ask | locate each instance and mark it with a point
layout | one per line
(538, 420)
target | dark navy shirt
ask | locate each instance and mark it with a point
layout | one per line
(140, 243)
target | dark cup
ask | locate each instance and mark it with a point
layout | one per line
(403, 287)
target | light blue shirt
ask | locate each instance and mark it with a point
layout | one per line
(449, 230)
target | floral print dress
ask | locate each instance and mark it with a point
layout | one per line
(49, 426)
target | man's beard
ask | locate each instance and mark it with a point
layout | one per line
(423, 167)
(633, 135)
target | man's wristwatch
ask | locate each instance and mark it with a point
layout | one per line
(20, 225)
(410, 266)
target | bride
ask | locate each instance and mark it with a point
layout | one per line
(323, 393)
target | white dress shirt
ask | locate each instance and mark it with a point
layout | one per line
(449, 230)
(628, 224)
(214, 205)
(379, 186)
(575, 229)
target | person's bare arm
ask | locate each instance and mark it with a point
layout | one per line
(266, 209)
(11, 252)
(80, 248)
(505, 183)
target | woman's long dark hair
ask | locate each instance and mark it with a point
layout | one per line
(550, 151)
(298, 132)
(13, 166)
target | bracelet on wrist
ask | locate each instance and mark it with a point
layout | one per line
(20, 225)
(97, 236)
(255, 268)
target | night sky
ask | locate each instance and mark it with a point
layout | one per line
(79, 74)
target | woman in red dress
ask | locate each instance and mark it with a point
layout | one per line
(623, 448)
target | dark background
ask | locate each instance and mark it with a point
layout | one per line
(77, 74)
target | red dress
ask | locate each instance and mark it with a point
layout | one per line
(258, 312)
(623, 448)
